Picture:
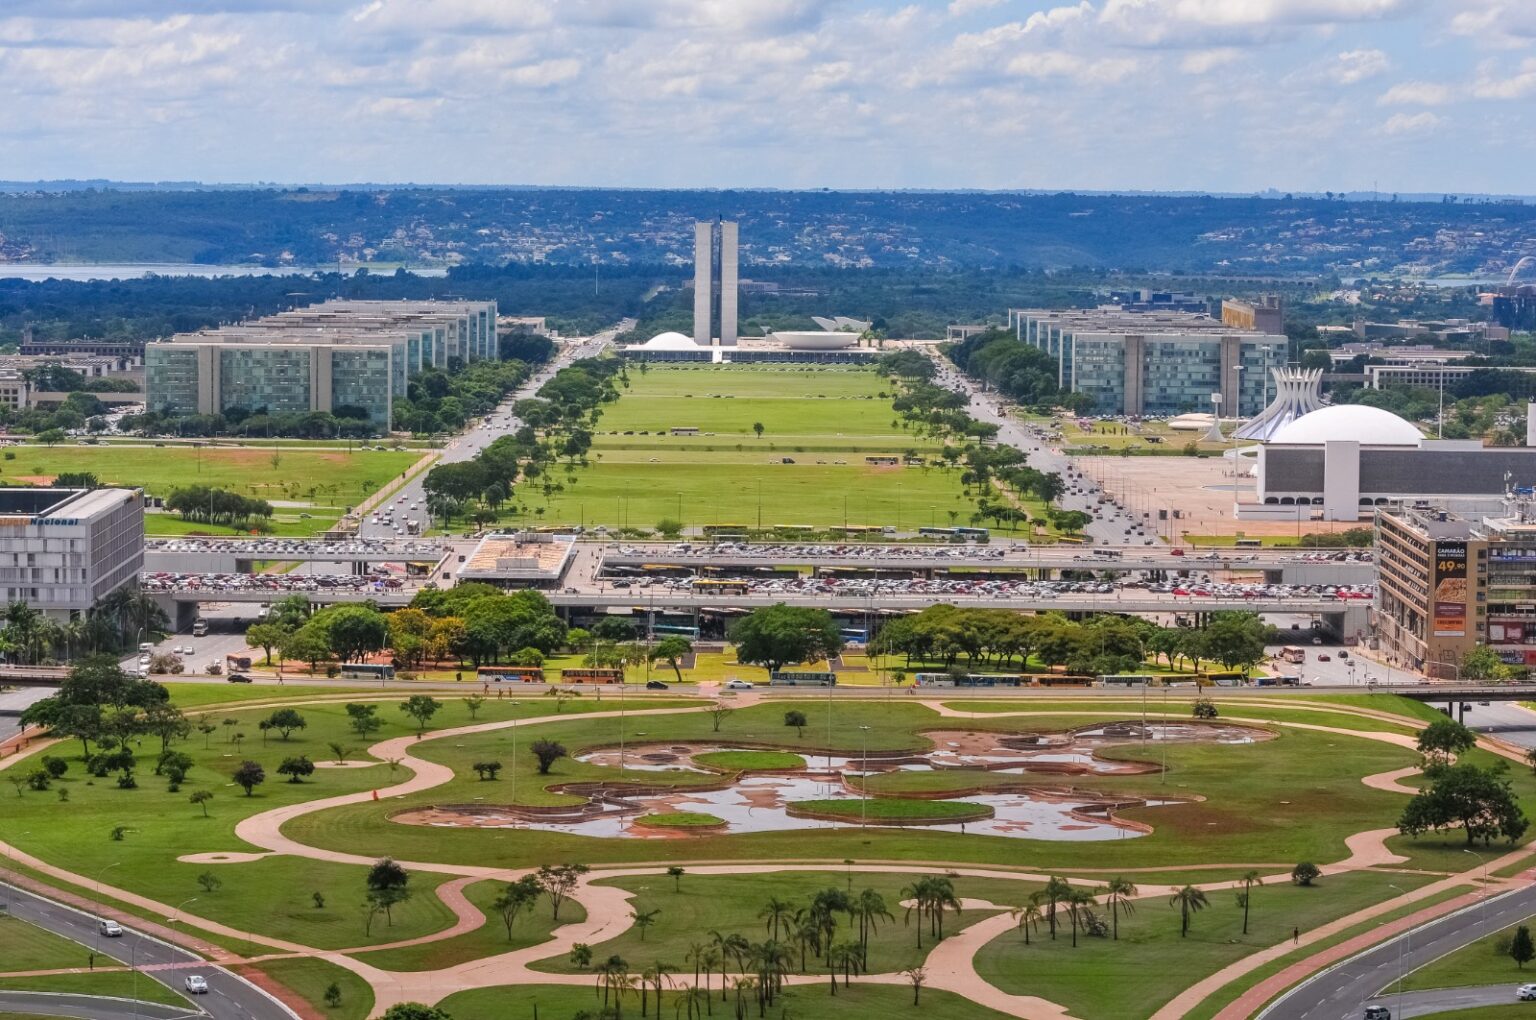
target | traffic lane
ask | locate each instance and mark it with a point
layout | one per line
(1341, 993)
(1505, 720)
(230, 996)
(88, 1007)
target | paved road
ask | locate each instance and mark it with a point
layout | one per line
(89, 1007)
(1504, 719)
(1342, 992)
(229, 998)
(1112, 524)
(1443, 1000)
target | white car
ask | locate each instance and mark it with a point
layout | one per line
(196, 984)
(1526, 993)
(738, 685)
(109, 928)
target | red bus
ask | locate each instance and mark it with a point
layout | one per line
(510, 674)
(592, 676)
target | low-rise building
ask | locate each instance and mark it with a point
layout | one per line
(63, 550)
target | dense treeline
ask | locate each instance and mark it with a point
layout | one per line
(1003, 639)
(217, 506)
(1015, 369)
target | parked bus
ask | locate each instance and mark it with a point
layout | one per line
(510, 674)
(973, 680)
(784, 678)
(1126, 680)
(719, 586)
(367, 671)
(1293, 653)
(592, 676)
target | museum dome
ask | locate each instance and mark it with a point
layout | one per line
(1368, 426)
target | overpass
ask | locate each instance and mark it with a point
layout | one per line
(1457, 695)
(240, 556)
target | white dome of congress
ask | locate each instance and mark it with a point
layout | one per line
(670, 341)
(1368, 426)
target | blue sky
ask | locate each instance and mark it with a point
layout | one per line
(1224, 95)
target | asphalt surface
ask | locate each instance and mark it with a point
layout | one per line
(88, 1007)
(1443, 1000)
(1342, 992)
(229, 997)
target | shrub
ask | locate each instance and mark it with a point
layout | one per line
(1305, 873)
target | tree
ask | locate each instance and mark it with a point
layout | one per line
(210, 882)
(1480, 800)
(285, 721)
(1483, 663)
(387, 884)
(201, 799)
(1119, 893)
(918, 977)
(797, 720)
(249, 776)
(671, 650)
(1306, 873)
(422, 708)
(780, 634)
(1189, 901)
(757, 427)
(644, 919)
(307, 644)
(265, 636)
(675, 873)
(1204, 708)
(1521, 949)
(1443, 740)
(558, 881)
(51, 437)
(363, 718)
(355, 631)
(547, 752)
(1245, 898)
(296, 769)
(581, 956)
(474, 705)
(414, 1011)
(720, 711)
(517, 897)
(486, 770)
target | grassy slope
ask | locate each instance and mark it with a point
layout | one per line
(309, 978)
(25, 946)
(531, 928)
(118, 984)
(1480, 963)
(859, 1002)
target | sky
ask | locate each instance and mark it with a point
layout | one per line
(1215, 95)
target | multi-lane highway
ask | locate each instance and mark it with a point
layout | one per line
(229, 996)
(1341, 992)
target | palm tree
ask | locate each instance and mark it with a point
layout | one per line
(871, 909)
(943, 898)
(1188, 900)
(1028, 916)
(1119, 892)
(730, 947)
(777, 912)
(1056, 890)
(694, 999)
(917, 896)
(1078, 901)
(1245, 898)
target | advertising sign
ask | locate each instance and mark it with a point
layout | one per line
(1449, 597)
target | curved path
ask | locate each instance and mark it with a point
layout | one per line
(950, 964)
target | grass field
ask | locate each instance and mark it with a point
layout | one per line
(1484, 962)
(320, 483)
(825, 420)
(118, 984)
(25, 946)
(860, 1002)
(310, 977)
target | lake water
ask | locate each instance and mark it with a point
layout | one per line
(134, 271)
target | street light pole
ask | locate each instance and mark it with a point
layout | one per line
(1407, 934)
(514, 762)
(1482, 892)
(864, 778)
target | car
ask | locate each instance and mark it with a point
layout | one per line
(1377, 1013)
(655, 685)
(1324, 657)
(1343, 654)
(1526, 993)
(1177, 552)
(109, 928)
(738, 685)
(196, 984)
(239, 678)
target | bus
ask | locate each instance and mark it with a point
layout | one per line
(592, 676)
(855, 635)
(234, 663)
(367, 671)
(720, 586)
(1222, 678)
(972, 680)
(784, 678)
(937, 532)
(973, 534)
(691, 633)
(1126, 680)
(1108, 554)
(1063, 680)
(510, 674)
(1249, 543)
(1293, 653)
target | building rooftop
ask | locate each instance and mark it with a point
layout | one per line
(1369, 426)
(524, 556)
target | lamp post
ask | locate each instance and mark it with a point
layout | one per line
(514, 760)
(1407, 934)
(176, 914)
(1482, 892)
(102, 872)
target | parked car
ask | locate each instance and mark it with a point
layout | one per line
(196, 984)
(738, 685)
(655, 685)
(109, 928)
(239, 678)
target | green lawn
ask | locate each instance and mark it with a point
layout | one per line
(325, 482)
(825, 421)
(311, 977)
(25, 946)
(741, 760)
(679, 820)
(860, 1002)
(119, 984)
(1151, 962)
(531, 927)
(699, 904)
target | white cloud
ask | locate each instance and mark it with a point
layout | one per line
(1411, 123)
(960, 8)
(1493, 82)
(1354, 66)
(1204, 61)
(1417, 93)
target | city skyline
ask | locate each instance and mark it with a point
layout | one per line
(1122, 95)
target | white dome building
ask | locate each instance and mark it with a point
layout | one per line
(670, 341)
(1355, 423)
(814, 340)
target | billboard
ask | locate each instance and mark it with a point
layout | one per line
(1448, 600)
